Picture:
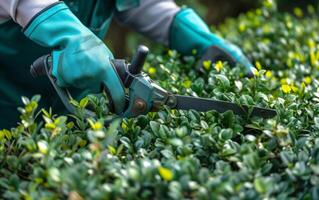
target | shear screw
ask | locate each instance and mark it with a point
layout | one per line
(139, 105)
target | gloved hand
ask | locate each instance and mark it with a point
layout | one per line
(80, 59)
(189, 32)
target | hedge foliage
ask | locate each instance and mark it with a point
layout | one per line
(185, 154)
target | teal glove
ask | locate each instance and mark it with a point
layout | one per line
(80, 59)
(189, 32)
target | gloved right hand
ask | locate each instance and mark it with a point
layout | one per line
(80, 59)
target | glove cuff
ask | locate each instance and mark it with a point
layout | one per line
(42, 16)
(56, 27)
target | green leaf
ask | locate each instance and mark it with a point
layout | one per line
(25, 100)
(167, 153)
(252, 161)
(262, 185)
(43, 146)
(223, 80)
(166, 173)
(54, 174)
(287, 157)
(176, 142)
(84, 102)
(154, 126)
(316, 120)
(226, 134)
(228, 119)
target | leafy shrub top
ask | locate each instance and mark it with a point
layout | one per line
(185, 154)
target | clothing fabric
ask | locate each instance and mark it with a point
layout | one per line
(151, 18)
(22, 11)
(144, 16)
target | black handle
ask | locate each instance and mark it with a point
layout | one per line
(138, 60)
(38, 68)
(137, 64)
(42, 66)
(121, 67)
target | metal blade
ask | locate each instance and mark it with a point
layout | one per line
(204, 105)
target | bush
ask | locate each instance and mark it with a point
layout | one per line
(185, 154)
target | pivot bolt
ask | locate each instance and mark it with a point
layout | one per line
(139, 105)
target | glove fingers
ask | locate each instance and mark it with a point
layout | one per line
(232, 55)
(86, 66)
(215, 54)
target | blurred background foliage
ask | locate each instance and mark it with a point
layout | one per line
(124, 41)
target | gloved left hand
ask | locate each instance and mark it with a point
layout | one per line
(80, 59)
(189, 32)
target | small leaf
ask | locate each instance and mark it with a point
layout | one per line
(5, 134)
(112, 150)
(226, 134)
(187, 84)
(286, 88)
(316, 120)
(25, 100)
(224, 80)
(84, 102)
(207, 64)
(166, 173)
(167, 153)
(260, 185)
(154, 126)
(176, 142)
(219, 66)
(54, 174)
(43, 146)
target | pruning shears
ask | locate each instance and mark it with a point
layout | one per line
(144, 95)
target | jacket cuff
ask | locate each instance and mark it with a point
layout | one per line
(25, 10)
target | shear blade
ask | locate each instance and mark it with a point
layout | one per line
(204, 105)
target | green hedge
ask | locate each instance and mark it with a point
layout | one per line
(186, 155)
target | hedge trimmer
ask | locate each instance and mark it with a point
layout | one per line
(144, 95)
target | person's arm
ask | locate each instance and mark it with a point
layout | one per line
(22, 11)
(180, 29)
(79, 58)
(152, 18)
